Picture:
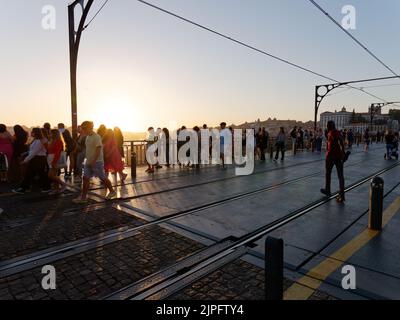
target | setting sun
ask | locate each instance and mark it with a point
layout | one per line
(118, 112)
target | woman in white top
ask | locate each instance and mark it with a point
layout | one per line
(36, 162)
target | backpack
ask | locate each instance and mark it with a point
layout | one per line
(345, 154)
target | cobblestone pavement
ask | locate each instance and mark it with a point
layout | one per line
(238, 280)
(55, 229)
(99, 272)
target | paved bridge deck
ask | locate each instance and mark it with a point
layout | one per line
(105, 246)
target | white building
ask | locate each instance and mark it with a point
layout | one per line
(341, 118)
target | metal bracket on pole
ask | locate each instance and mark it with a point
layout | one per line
(376, 107)
(323, 90)
(320, 93)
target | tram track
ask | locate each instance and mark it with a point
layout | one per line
(138, 196)
(166, 282)
(27, 262)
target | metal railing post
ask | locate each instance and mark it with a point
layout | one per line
(133, 161)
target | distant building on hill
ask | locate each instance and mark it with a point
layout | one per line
(356, 121)
(341, 118)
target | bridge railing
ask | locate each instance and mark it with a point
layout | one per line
(137, 146)
(140, 147)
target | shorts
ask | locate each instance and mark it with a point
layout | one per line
(96, 171)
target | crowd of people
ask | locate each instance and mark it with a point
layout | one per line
(47, 153)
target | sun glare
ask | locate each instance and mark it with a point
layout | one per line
(120, 113)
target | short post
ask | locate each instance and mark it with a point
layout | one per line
(273, 269)
(133, 161)
(376, 204)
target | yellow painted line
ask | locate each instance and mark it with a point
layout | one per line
(305, 286)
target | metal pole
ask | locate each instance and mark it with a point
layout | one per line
(316, 109)
(74, 41)
(376, 204)
(273, 269)
(133, 161)
(73, 65)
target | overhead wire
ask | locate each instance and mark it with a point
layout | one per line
(201, 26)
(352, 37)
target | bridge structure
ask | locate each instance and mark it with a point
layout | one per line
(187, 233)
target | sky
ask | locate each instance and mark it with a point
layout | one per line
(139, 67)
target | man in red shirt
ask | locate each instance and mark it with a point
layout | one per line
(335, 156)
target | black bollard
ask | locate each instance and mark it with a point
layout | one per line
(273, 269)
(133, 162)
(376, 204)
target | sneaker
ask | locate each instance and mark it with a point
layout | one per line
(80, 201)
(18, 191)
(340, 199)
(111, 195)
(326, 192)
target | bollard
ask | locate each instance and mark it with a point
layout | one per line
(376, 204)
(273, 269)
(133, 162)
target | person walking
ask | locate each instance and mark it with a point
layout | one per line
(367, 140)
(80, 152)
(36, 162)
(20, 147)
(293, 136)
(335, 156)
(94, 165)
(350, 138)
(280, 144)
(263, 143)
(69, 148)
(151, 139)
(222, 142)
(112, 157)
(6, 151)
(119, 137)
(318, 140)
(54, 155)
(389, 140)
